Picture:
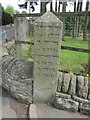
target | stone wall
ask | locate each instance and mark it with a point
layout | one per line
(17, 78)
(73, 93)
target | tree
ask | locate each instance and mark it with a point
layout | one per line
(64, 4)
(10, 10)
(51, 6)
(5, 17)
(59, 6)
(77, 19)
(85, 38)
(56, 6)
(43, 7)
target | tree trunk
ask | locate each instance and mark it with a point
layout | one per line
(64, 19)
(59, 6)
(56, 6)
(74, 21)
(85, 23)
(51, 6)
(43, 7)
(85, 29)
(76, 26)
(80, 9)
(77, 21)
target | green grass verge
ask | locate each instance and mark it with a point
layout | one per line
(75, 42)
(73, 61)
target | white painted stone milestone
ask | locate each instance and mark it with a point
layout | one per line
(48, 34)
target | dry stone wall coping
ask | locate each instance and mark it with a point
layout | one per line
(17, 78)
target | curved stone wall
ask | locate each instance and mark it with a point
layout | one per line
(73, 93)
(17, 78)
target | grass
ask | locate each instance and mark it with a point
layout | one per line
(73, 61)
(75, 42)
(70, 61)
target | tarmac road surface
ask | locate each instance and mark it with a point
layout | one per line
(47, 111)
(11, 108)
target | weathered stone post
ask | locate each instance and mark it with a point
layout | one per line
(20, 33)
(48, 34)
(17, 37)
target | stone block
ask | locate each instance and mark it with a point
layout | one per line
(6, 86)
(63, 95)
(89, 95)
(72, 89)
(66, 82)
(81, 100)
(85, 88)
(59, 81)
(80, 83)
(28, 81)
(22, 98)
(7, 62)
(84, 108)
(82, 86)
(66, 104)
(11, 64)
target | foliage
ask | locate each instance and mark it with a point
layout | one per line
(10, 10)
(6, 18)
(28, 50)
(70, 24)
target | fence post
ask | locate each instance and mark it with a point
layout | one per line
(17, 38)
(48, 34)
